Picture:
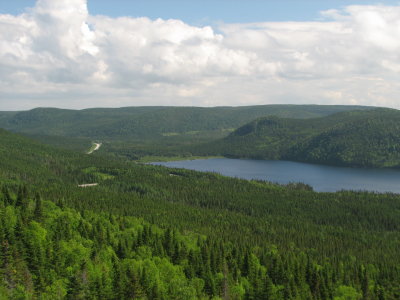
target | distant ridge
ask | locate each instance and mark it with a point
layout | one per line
(153, 121)
(359, 138)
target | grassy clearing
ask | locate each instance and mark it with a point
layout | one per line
(97, 173)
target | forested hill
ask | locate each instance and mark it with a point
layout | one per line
(151, 122)
(359, 138)
(148, 232)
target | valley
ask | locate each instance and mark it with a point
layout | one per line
(199, 150)
(147, 231)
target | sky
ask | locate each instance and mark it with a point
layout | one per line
(97, 53)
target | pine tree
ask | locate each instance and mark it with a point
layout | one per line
(269, 289)
(7, 197)
(38, 213)
(365, 285)
(135, 289)
(21, 196)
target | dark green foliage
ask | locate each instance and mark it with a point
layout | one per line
(38, 212)
(136, 132)
(144, 233)
(364, 139)
(151, 122)
(64, 142)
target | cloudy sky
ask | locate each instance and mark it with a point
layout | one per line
(79, 54)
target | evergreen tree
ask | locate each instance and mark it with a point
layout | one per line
(38, 213)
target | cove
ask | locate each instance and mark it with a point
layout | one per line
(322, 178)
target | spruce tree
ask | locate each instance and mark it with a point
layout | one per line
(38, 213)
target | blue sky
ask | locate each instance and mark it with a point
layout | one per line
(206, 12)
(79, 54)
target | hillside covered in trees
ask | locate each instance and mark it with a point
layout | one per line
(141, 132)
(148, 232)
(359, 138)
(152, 122)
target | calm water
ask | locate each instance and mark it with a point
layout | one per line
(321, 178)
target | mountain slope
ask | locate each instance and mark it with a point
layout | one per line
(151, 122)
(203, 235)
(359, 138)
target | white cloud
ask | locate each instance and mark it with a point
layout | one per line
(57, 54)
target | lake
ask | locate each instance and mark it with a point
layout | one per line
(321, 178)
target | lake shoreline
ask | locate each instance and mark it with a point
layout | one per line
(154, 159)
(321, 178)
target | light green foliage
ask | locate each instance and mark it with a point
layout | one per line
(61, 262)
(55, 291)
(9, 215)
(148, 235)
(346, 293)
(96, 174)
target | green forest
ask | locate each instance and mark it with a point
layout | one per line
(149, 232)
(354, 136)
(155, 122)
(368, 138)
(150, 133)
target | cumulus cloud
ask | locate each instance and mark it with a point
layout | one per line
(57, 54)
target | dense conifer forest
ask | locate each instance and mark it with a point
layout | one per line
(358, 138)
(155, 122)
(148, 232)
(353, 136)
